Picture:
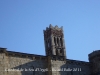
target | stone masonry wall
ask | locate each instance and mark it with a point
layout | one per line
(16, 64)
(78, 67)
(2, 63)
(70, 67)
(57, 66)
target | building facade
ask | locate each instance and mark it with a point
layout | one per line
(55, 62)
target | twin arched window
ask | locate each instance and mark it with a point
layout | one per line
(58, 41)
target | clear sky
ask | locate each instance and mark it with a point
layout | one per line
(22, 23)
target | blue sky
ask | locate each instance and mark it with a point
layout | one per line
(22, 23)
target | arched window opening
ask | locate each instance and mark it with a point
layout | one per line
(60, 51)
(54, 40)
(58, 41)
(56, 52)
(61, 42)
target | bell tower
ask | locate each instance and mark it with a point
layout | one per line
(54, 41)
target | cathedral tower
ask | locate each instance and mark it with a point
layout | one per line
(54, 42)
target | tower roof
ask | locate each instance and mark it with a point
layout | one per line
(54, 27)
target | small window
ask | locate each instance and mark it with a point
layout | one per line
(60, 51)
(56, 52)
(61, 42)
(58, 41)
(54, 40)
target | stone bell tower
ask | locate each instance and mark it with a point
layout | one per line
(54, 42)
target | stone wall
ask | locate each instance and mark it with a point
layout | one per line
(57, 67)
(13, 63)
(94, 59)
(78, 67)
(2, 61)
(70, 67)
(2, 64)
